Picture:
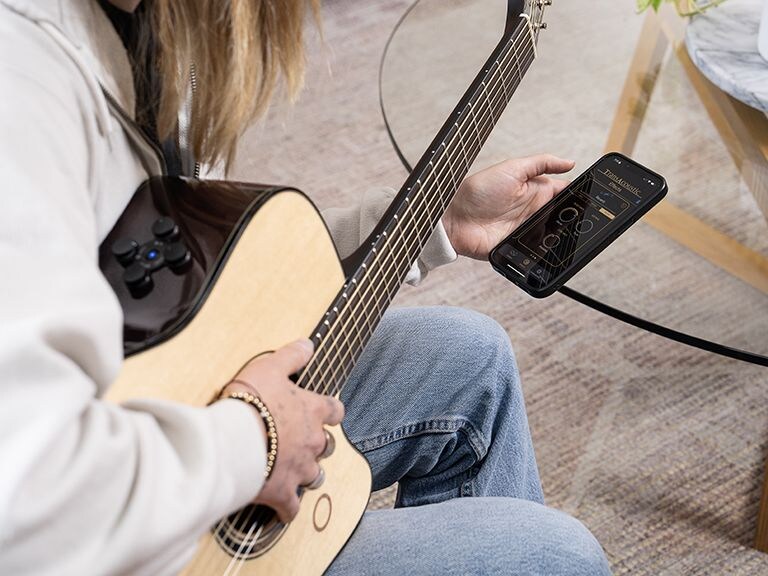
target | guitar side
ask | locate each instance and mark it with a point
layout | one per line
(275, 287)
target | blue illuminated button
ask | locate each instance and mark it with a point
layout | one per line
(152, 255)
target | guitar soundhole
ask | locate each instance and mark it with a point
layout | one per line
(249, 532)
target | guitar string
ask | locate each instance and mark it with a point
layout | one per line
(534, 36)
(446, 155)
(397, 246)
(382, 282)
(449, 156)
(438, 169)
(487, 126)
(390, 252)
(233, 562)
(375, 295)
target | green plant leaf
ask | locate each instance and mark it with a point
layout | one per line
(642, 5)
(689, 8)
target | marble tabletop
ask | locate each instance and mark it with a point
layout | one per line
(722, 42)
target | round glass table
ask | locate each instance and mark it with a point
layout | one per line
(697, 264)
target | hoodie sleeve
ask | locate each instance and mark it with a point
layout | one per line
(87, 486)
(351, 225)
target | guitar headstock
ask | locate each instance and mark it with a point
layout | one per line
(537, 8)
(531, 10)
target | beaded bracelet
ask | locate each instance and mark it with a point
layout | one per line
(269, 422)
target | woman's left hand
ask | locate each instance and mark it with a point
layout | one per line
(492, 203)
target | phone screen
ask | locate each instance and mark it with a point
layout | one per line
(578, 223)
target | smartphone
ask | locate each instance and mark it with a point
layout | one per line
(567, 232)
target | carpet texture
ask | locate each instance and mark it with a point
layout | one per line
(657, 447)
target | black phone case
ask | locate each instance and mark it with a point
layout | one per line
(551, 288)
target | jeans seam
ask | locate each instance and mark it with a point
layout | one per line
(424, 427)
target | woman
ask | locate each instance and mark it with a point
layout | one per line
(91, 92)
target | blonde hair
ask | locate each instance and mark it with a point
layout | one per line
(239, 51)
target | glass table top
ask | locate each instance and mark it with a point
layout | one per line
(566, 106)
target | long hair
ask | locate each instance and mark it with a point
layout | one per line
(239, 51)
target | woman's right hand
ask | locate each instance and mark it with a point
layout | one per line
(299, 418)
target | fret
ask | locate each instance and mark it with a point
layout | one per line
(494, 113)
(368, 324)
(359, 308)
(479, 138)
(456, 177)
(519, 70)
(462, 147)
(503, 82)
(381, 278)
(379, 293)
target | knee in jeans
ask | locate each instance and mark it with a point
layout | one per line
(482, 343)
(469, 336)
(463, 348)
(572, 550)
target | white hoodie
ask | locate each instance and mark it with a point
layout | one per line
(86, 486)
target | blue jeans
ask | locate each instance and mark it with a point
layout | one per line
(435, 405)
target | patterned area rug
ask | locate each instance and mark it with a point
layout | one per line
(657, 447)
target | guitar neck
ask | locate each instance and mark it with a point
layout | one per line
(395, 244)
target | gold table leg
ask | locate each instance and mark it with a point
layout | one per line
(744, 131)
(638, 87)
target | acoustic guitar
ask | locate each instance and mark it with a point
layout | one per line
(212, 274)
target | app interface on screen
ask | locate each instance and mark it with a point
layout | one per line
(598, 202)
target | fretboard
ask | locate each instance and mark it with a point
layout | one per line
(405, 228)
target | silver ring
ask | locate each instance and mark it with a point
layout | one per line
(330, 445)
(317, 482)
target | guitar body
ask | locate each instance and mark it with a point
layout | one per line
(273, 284)
(211, 274)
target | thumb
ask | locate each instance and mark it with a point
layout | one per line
(294, 356)
(534, 166)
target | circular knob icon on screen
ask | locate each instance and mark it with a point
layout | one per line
(568, 214)
(584, 226)
(551, 240)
